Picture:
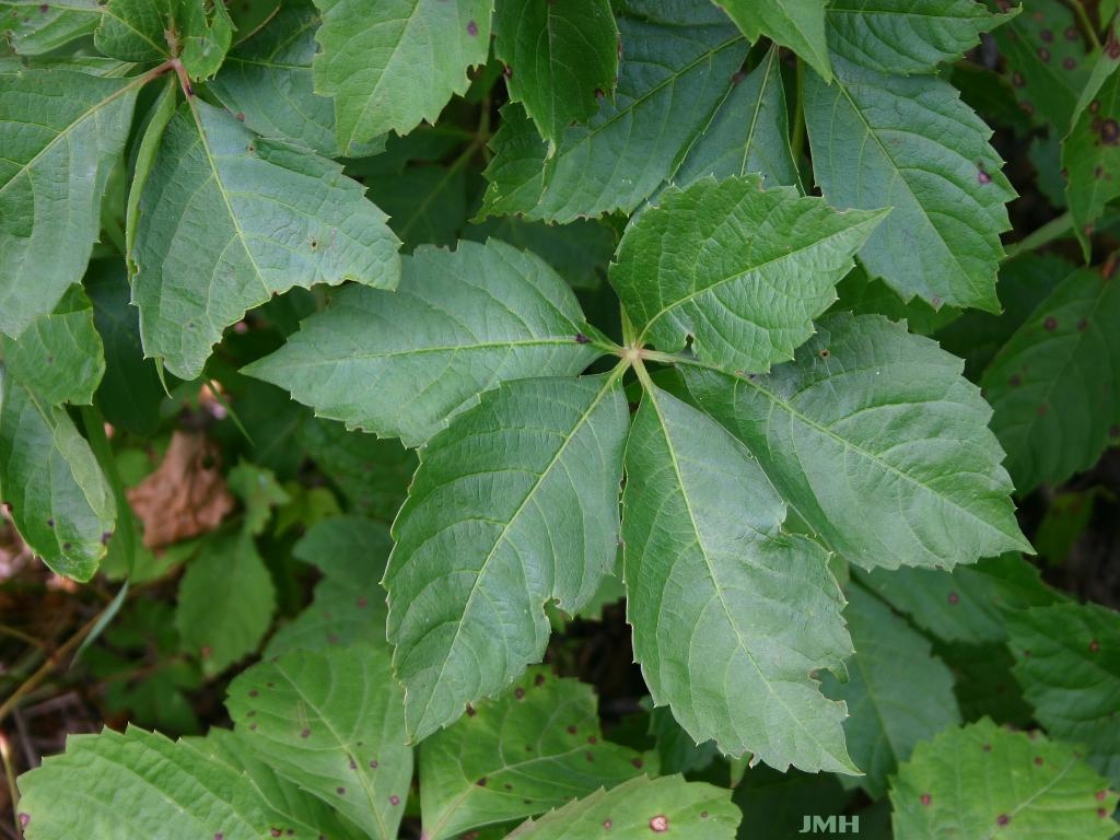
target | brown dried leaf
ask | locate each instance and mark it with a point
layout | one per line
(186, 496)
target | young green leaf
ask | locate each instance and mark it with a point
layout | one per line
(898, 693)
(749, 132)
(671, 80)
(925, 154)
(179, 792)
(535, 748)
(967, 604)
(197, 32)
(985, 781)
(515, 503)
(60, 500)
(34, 27)
(639, 809)
(929, 493)
(717, 594)
(332, 722)
(59, 357)
(227, 219)
(797, 24)
(740, 270)
(226, 602)
(913, 37)
(273, 65)
(349, 603)
(1091, 151)
(1053, 385)
(369, 62)
(62, 132)
(1067, 658)
(560, 58)
(302, 815)
(460, 323)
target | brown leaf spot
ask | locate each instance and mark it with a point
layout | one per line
(926, 799)
(185, 496)
(519, 693)
(1003, 819)
(954, 598)
(1110, 132)
(1051, 323)
(659, 824)
(472, 28)
(1069, 63)
(305, 733)
(1094, 646)
(1015, 381)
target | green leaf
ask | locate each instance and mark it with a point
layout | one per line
(535, 748)
(579, 252)
(925, 154)
(229, 219)
(898, 693)
(985, 781)
(226, 602)
(372, 474)
(460, 323)
(139, 784)
(60, 500)
(671, 80)
(33, 27)
(267, 80)
(559, 58)
(196, 31)
(967, 604)
(797, 24)
(717, 591)
(930, 492)
(59, 357)
(1091, 151)
(639, 808)
(349, 603)
(749, 132)
(740, 270)
(1044, 58)
(914, 37)
(332, 722)
(62, 133)
(368, 62)
(514, 504)
(427, 205)
(861, 295)
(260, 492)
(291, 808)
(1067, 658)
(130, 393)
(1053, 385)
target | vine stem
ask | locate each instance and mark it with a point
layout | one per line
(1086, 23)
(52, 662)
(1054, 229)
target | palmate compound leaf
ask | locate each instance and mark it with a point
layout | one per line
(731, 615)
(536, 747)
(906, 38)
(273, 65)
(1067, 658)
(33, 27)
(897, 693)
(400, 364)
(227, 219)
(873, 436)
(1053, 385)
(797, 24)
(740, 270)
(671, 80)
(60, 500)
(638, 810)
(909, 143)
(985, 781)
(332, 722)
(390, 70)
(61, 132)
(198, 32)
(514, 504)
(559, 57)
(140, 784)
